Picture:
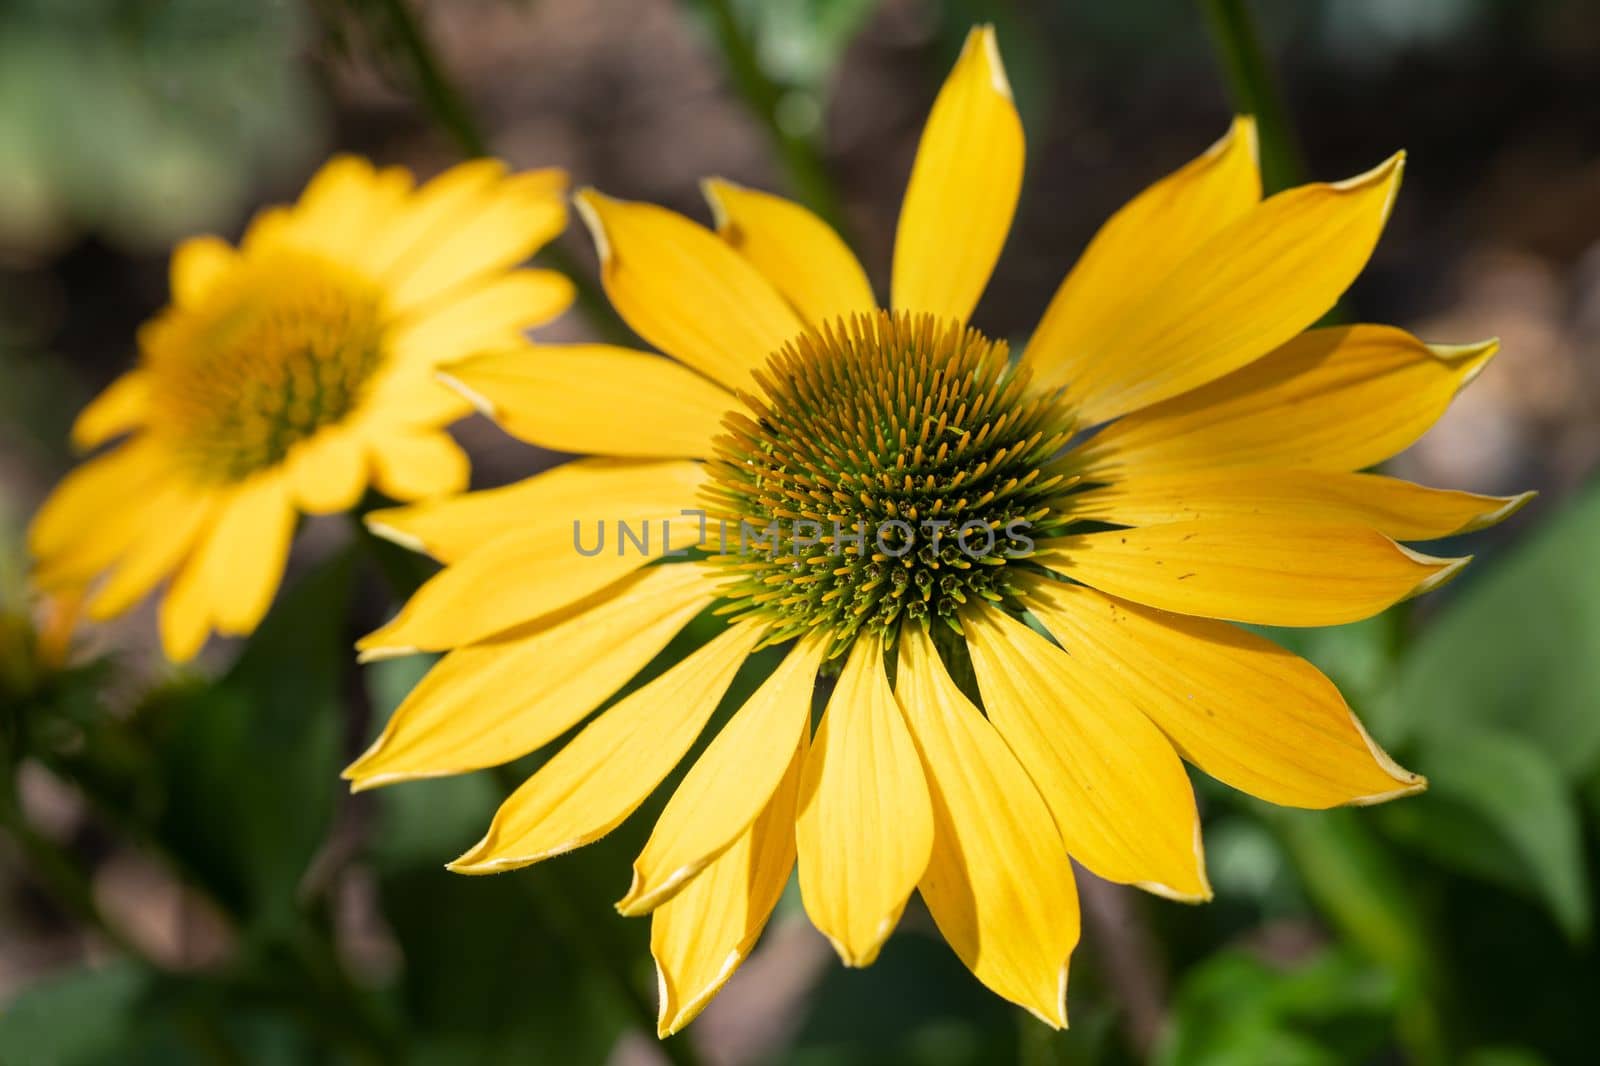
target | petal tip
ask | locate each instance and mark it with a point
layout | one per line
(984, 36)
(587, 200)
(478, 400)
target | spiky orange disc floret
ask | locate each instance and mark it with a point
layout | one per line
(915, 435)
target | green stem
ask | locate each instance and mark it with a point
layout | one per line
(450, 111)
(1255, 91)
(798, 153)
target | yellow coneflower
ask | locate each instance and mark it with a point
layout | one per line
(289, 374)
(1169, 456)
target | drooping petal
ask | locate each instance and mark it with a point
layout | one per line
(182, 517)
(122, 406)
(489, 317)
(184, 618)
(595, 399)
(684, 290)
(602, 776)
(95, 513)
(963, 188)
(418, 465)
(1395, 508)
(486, 704)
(510, 221)
(700, 936)
(328, 472)
(865, 827)
(589, 497)
(1271, 571)
(999, 884)
(1253, 286)
(1331, 399)
(729, 784)
(1238, 706)
(197, 265)
(1141, 244)
(1118, 791)
(796, 251)
(244, 553)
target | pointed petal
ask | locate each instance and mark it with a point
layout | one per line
(1238, 706)
(865, 827)
(595, 399)
(94, 512)
(1118, 791)
(244, 554)
(1141, 244)
(1250, 288)
(730, 784)
(184, 618)
(999, 884)
(418, 465)
(493, 315)
(1394, 508)
(700, 936)
(685, 291)
(507, 223)
(585, 491)
(487, 704)
(963, 189)
(1271, 571)
(601, 777)
(197, 265)
(796, 251)
(184, 516)
(1331, 399)
(328, 473)
(122, 406)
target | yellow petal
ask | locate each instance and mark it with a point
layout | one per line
(963, 188)
(328, 472)
(490, 316)
(685, 291)
(507, 224)
(594, 399)
(197, 265)
(181, 515)
(487, 704)
(601, 777)
(184, 618)
(1236, 705)
(588, 492)
(729, 784)
(1118, 791)
(865, 827)
(95, 513)
(1395, 508)
(420, 218)
(244, 554)
(419, 466)
(700, 936)
(123, 405)
(795, 250)
(999, 884)
(1250, 288)
(335, 212)
(1141, 244)
(1271, 571)
(1331, 399)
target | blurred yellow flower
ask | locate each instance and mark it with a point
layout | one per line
(1171, 454)
(289, 374)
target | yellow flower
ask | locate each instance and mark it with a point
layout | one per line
(289, 374)
(1178, 453)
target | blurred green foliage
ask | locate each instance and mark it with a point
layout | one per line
(144, 119)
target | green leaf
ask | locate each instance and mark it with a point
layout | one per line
(75, 1018)
(1497, 808)
(1237, 1010)
(249, 766)
(1516, 651)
